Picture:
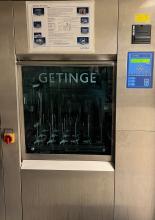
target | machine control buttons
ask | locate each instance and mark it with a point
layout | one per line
(140, 70)
(9, 136)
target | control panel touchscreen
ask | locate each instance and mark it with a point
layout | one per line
(140, 70)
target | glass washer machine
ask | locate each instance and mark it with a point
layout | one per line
(57, 113)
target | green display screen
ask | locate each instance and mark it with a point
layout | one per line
(141, 60)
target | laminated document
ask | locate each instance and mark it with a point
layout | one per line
(61, 26)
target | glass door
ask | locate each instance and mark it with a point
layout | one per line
(69, 109)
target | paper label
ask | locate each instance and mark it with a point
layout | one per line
(61, 26)
(142, 18)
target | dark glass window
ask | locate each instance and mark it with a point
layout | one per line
(68, 109)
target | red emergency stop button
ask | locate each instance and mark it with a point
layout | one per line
(9, 136)
(7, 139)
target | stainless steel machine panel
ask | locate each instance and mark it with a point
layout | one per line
(134, 167)
(37, 192)
(137, 104)
(105, 27)
(8, 110)
(67, 195)
(135, 179)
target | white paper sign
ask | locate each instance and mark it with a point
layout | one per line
(61, 26)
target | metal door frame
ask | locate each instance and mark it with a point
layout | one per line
(29, 156)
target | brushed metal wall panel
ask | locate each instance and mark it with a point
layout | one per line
(135, 176)
(8, 109)
(127, 11)
(21, 41)
(135, 127)
(67, 195)
(135, 107)
(106, 20)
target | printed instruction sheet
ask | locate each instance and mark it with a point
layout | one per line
(61, 26)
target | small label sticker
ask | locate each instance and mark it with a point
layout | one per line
(142, 18)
